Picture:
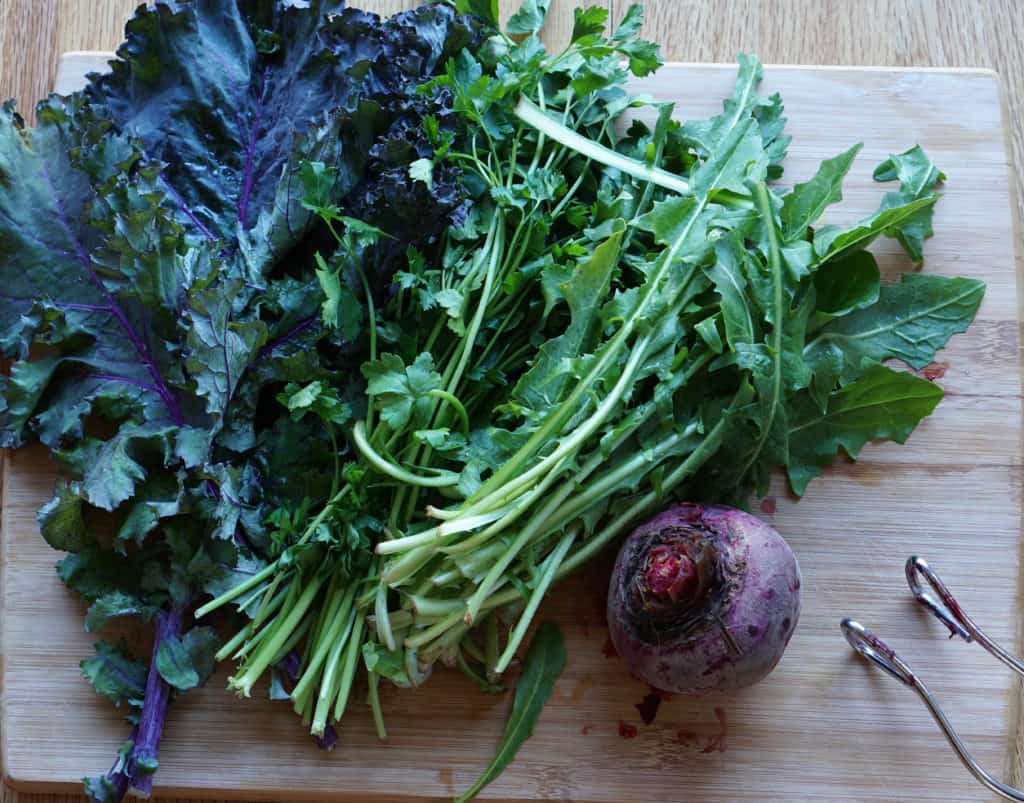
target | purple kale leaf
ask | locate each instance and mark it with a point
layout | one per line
(237, 83)
(108, 323)
(233, 96)
(159, 292)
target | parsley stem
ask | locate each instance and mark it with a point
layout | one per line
(538, 149)
(332, 597)
(437, 393)
(396, 508)
(286, 599)
(352, 653)
(293, 639)
(263, 611)
(373, 698)
(398, 571)
(383, 623)
(261, 658)
(467, 342)
(454, 371)
(267, 571)
(332, 634)
(492, 647)
(233, 593)
(441, 480)
(233, 643)
(371, 315)
(518, 244)
(505, 321)
(336, 476)
(472, 649)
(328, 688)
(512, 159)
(571, 192)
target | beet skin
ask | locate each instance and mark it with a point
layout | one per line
(703, 598)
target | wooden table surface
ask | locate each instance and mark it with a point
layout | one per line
(941, 33)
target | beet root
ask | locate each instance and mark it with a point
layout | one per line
(703, 598)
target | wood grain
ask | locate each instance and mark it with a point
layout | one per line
(903, 32)
(820, 702)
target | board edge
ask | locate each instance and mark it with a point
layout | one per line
(109, 55)
(1015, 750)
(6, 778)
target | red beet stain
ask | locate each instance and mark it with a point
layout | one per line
(627, 731)
(716, 744)
(769, 505)
(686, 737)
(639, 680)
(935, 370)
(648, 708)
(608, 650)
(585, 730)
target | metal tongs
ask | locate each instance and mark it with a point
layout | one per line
(947, 609)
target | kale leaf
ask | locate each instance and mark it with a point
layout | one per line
(160, 292)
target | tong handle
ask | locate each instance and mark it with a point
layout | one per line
(950, 613)
(938, 599)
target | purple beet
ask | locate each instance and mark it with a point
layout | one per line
(703, 598)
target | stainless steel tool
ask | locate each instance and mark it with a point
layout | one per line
(944, 606)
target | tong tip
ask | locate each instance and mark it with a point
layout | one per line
(877, 651)
(944, 607)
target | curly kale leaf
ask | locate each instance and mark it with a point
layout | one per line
(232, 97)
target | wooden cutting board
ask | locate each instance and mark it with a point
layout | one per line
(824, 726)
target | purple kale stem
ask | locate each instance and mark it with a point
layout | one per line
(297, 330)
(173, 193)
(154, 705)
(118, 778)
(250, 152)
(241, 539)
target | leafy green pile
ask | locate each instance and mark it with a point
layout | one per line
(375, 330)
(619, 321)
